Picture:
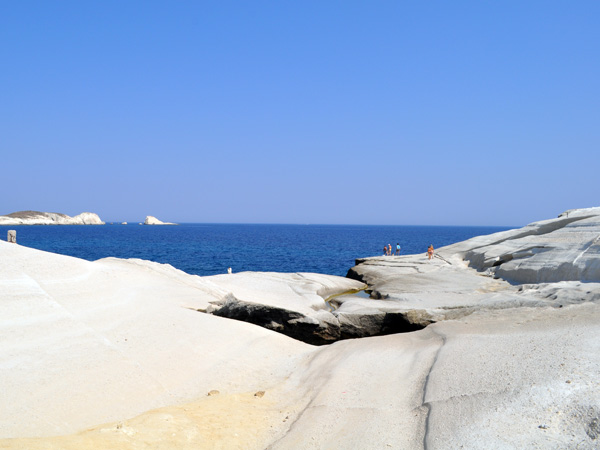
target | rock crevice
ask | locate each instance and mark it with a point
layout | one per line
(325, 328)
(425, 402)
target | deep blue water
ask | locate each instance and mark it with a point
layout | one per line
(208, 249)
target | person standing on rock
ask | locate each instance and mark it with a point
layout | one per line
(384, 250)
(397, 248)
(430, 251)
(390, 249)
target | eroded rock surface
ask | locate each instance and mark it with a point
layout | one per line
(114, 354)
(563, 249)
(294, 304)
(551, 263)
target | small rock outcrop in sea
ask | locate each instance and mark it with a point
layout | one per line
(45, 218)
(151, 220)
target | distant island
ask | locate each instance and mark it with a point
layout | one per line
(45, 218)
(151, 220)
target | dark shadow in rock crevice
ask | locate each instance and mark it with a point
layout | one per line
(290, 323)
(354, 326)
(354, 275)
(308, 330)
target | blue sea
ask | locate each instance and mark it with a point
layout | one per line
(208, 249)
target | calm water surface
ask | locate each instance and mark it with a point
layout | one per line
(208, 249)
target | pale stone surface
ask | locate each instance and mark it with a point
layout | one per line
(290, 303)
(45, 218)
(519, 378)
(89, 342)
(121, 343)
(446, 288)
(151, 220)
(561, 249)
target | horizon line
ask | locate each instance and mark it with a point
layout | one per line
(119, 222)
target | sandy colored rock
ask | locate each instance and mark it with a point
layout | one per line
(91, 342)
(227, 422)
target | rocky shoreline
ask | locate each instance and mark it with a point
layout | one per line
(493, 344)
(552, 263)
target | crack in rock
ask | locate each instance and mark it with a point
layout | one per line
(424, 403)
(324, 329)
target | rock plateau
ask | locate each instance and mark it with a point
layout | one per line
(502, 350)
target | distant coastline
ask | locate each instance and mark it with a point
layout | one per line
(46, 218)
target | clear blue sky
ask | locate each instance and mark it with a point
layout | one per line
(433, 113)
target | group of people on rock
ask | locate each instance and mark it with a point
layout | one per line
(387, 250)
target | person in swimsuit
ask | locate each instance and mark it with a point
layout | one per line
(430, 251)
(390, 249)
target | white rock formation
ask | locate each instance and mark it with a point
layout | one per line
(291, 303)
(566, 248)
(118, 353)
(513, 269)
(45, 218)
(151, 220)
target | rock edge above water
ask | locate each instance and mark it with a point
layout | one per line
(551, 263)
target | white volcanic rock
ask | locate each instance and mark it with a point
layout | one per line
(44, 218)
(88, 343)
(151, 220)
(85, 343)
(561, 249)
(291, 303)
(122, 343)
(87, 218)
(550, 251)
